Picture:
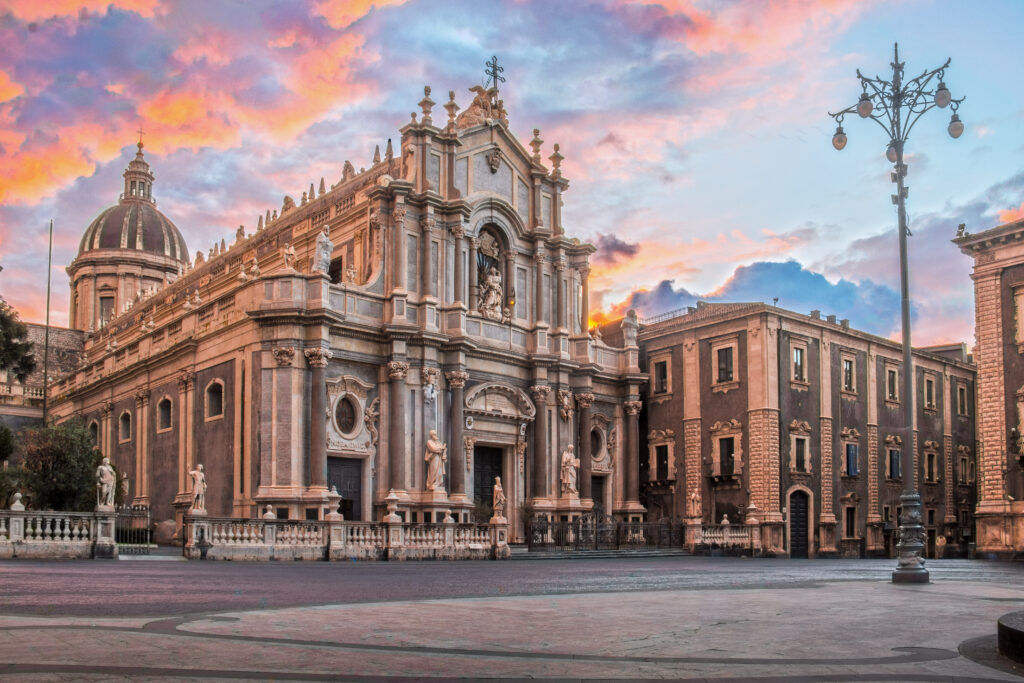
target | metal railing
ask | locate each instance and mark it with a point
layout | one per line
(132, 529)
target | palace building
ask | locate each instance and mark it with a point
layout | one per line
(998, 277)
(435, 290)
(797, 420)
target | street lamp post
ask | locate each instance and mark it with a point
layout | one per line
(896, 106)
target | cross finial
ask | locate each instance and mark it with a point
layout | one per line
(140, 132)
(493, 72)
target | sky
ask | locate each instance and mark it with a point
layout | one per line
(696, 134)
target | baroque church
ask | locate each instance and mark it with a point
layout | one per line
(435, 291)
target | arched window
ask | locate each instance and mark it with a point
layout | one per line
(94, 432)
(163, 414)
(124, 426)
(214, 399)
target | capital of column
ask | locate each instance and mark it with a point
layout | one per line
(474, 242)
(458, 232)
(106, 409)
(141, 398)
(398, 215)
(560, 265)
(585, 400)
(376, 219)
(185, 380)
(632, 407)
(430, 375)
(427, 223)
(283, 355)
(539, 254)
(457, 379)
(317, 357)
(398, 369)
(540, 392)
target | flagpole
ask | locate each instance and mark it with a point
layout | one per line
(46, 334)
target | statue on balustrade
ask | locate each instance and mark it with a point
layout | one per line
(198, 488)
(436, 456)
(105, 479)
(568, 474)
(490, 295)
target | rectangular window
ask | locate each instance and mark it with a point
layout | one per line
(851, 459)
(965, 520)
(929, 392)
(799, 373)
(891, 391)
(727, 449)
(725, 364)
(931, 516)
(661, 377)
(800, 444)
(433, 268)
(929, 474)
(661, 462)
(106, 309)
(850, 525)
(962, 474)
(961, 400)
(886, 513)
(894, 463)
(848, 374)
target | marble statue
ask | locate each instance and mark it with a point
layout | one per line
(629, 328)
(288, 253)
(568, 474)
(436, 456)
(198, 488)
(693, 510)
(350, 273)
(105, 479)
(499, 499)
(490, 295)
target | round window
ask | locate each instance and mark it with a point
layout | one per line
(345, 413)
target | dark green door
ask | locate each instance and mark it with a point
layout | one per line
(347, 475)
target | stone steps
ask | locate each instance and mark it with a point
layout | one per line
(521, 553)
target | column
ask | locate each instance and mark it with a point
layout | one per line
(632, 454)
(585, 401)
(457, 383)
(141, 438)
(397, 370)
(427, 225)
(457, 234)
(317, 359)
(560, 288)
(510, 282)
(398, 230)
(539, 295)
(585, 313)
(540, 392)
(474, 243)
(104, 441)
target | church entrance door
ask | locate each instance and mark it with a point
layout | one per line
(347, 475)
(798, 504)
(486, 466)
(597, 491)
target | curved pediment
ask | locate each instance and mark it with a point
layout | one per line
(492, 399)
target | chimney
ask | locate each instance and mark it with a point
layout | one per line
(844, 323)
(816, 314)
(831, 319)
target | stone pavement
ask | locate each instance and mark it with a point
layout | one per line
(829, 630)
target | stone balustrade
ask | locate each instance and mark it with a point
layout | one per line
(55, 535)
(273, 539)
(723, 536)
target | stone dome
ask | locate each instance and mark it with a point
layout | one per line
(134, 222)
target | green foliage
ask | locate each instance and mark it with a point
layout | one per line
(15, 348)
(12, 480)
(60, 466)
(481, 511)
(6, 443)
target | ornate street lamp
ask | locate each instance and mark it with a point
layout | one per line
(896, 106)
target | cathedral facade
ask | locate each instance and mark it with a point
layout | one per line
(435, 291)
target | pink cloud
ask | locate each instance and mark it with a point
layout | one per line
(33, 10)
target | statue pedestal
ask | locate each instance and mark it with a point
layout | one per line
(571, 506)
(105, 544)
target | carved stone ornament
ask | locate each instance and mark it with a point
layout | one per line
(141, 398)
(106, 409)
(398, 369)
(585, 400)
(457, 378)
(317, 357)
(430, 376)
(347, 384)
(565, 404)
(494, 159)
(729, 426)
(427, 223)
(632, 407)
(185, 380)
(800, 427)
(492, 400)
(458, 232)
(468, 443)
(660, 435)
(283, 355)
(849, 434)
(540, 393)
(521, 455)
(398, 216)
(893, 440)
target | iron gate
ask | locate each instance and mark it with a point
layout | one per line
(132, 530)
(591, 532)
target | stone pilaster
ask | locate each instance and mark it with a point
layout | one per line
(632, 454)
(541, 394)
(460, 286)
(875, 540)
(692, 459)
(765, 463)
(948, 482)
(827, 466)
(142, 448)
(991, 408)
(474, 285)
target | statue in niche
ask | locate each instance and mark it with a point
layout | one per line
(491, 295)
(436, 456)
(568, 472)
(105, 484)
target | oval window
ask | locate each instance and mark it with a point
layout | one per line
(345, 415)
(595, 443)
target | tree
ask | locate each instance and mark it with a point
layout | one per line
(6, 443)
(15, 348)
(60, 464)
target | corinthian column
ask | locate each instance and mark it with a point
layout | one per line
(585, 313)
(459, 296)
(540, 441)
(585, 401)
(397, 370)
(632, 454)
(457, 383)
(473, 284)
(317, 359)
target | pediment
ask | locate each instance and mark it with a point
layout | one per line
(492, 399)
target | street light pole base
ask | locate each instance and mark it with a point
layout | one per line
(910, 565)
(910, 576)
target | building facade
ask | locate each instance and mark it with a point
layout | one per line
(800, 417)
(435, 291)
(998, 277)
